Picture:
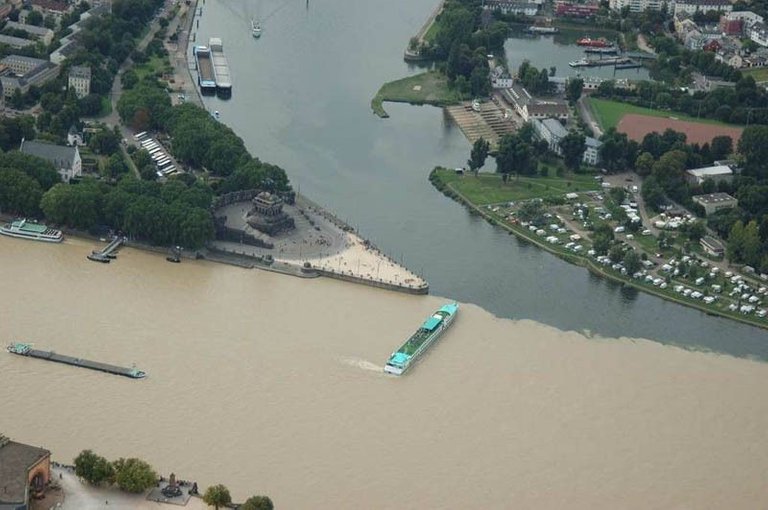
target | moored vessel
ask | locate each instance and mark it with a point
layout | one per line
(419, 342)
(26, 229)
(255, 29)
(23, 349)
(600, 42)
(536, 29)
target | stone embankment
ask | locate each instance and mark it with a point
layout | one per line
(413, 55)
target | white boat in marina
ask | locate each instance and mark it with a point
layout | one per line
(255, 28)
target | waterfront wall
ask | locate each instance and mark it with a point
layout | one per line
(373, 283)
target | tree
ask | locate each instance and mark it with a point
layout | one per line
(134, 475)
(750, 247)
(574, 88)
(735, 246)
(631, 262)
(644, 163)
(216, 496)
(478, 155)
(35, 18)
(722, 147)
(753, 148)
(129, 79)
(258, 503)
(514, 156)
(93, 468)
(573, 145)
(696, 230)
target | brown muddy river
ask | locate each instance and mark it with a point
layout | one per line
(271, 384)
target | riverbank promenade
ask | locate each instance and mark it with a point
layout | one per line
(321, 243)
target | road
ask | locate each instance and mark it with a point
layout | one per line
(586, 115)
(642, 44)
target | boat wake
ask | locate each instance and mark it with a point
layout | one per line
(362, 364)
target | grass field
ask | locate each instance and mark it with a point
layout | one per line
(425, 88)
(759, 74)
(153, 66)
(609, 113)
(489, 189)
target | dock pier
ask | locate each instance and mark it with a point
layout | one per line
(107, 254)
(22, 349)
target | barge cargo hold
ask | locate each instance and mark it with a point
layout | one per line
(22, 349)
(205, 77)
(402, 359)
(220, 66)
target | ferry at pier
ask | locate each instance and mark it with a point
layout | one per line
(25, 229)
(420, 341)
(601, 42)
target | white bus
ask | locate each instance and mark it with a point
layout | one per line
(163, 161)
(168, 170)
(140, 135)
(155, 150)
(148, 141)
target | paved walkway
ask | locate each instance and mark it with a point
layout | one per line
(80, 496)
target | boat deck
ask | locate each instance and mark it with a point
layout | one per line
(84, 363)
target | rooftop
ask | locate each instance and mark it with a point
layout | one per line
(15, 461)
(710, 170)
(593, 142)
(548, 108)
(16, 42)
(713, 198)
(31, 29)
(554, 127)
(80, 72)
(60, 155)
(704, 2)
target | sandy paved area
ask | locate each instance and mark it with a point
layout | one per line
(321, 243)
(80, 496)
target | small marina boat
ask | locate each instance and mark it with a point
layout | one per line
(537, 29)
(601, 42)
(25, 229)
(476, 105)
(420, 341)
(255, 29)
(216, 115)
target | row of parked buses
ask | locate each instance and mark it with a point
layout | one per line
(162, 160)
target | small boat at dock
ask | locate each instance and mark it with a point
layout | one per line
(255, 29)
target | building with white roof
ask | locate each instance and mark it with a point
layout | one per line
(716, 173)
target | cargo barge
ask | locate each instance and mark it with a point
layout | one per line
(402, 359)
(22, 349)
(220, 67)
(205, 77)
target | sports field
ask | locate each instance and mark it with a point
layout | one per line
(636, 122)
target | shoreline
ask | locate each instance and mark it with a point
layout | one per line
(581, 260)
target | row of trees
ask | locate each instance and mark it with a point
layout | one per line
(745, 103)
(130, 475)
(172, 213)
(218, 496)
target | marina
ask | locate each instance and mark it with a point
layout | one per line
(23, 349)
(402, 359)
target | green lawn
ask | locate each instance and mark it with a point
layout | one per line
(609, 113)
(489, 189)
(152, 66)
(425, 88)
(759, 74)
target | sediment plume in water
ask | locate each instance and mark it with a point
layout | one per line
(266, 383)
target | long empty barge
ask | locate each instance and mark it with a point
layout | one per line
(26, 350)
(205, 76)
(220, 66)
(420, 341)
